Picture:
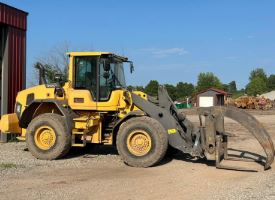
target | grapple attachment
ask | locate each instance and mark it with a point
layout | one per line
(210, 139)
(214, 139)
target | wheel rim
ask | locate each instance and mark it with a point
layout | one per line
(44, 137)
(139, 142)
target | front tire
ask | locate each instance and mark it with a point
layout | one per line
(142, 142)
(48, 137)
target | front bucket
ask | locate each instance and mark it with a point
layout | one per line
(214, 118)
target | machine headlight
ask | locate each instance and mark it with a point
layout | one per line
(18, 108)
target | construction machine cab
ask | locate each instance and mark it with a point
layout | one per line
(99, 72)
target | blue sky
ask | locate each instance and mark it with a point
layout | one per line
(169, 41)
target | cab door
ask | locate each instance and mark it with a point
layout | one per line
(83, 93)
(108, 95)
(93, 85)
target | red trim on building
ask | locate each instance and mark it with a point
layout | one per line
(216, 90)
(13, 16)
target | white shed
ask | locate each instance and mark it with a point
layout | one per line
(211, 97)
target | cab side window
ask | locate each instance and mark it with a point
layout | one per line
(85, 74)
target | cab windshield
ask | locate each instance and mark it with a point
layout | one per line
(115, 76)
(99, 75)
(111, 77)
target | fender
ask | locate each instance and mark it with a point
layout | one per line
(29, 113)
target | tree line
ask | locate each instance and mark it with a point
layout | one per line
(259, 83)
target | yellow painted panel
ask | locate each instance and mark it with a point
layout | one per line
(80, 125)
(96, 137)
(24, 131)
(113, 103)
(40, 92)
(88, 103)
(10, 124)
(84, 125)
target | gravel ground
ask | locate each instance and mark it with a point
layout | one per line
(19, 160)
(99, 173)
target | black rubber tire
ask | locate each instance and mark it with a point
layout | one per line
(159, 139)
(63, 137)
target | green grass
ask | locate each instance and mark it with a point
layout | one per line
(7, 165)
(14, 139)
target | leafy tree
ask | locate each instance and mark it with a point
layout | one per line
(271, 82)
(172, 91)
(256, 86)
(232, 87)
(208, 80)
(238, 93)
(225, 87)
(135, 88)
(54, 62)
(152, 88)
(185, 89)
(50, 71)
(140, 88)
(258, 82)
(130, 87)
(259, 72)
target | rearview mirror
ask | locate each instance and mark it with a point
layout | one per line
(107, 66)
(59, 80)
(132, 67)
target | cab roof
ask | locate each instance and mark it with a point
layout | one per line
(95, 53)
(88, 53)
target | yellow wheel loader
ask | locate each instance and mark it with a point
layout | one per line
(94, 106)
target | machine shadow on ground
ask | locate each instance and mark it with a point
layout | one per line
(93, 151)
(90, 151)
(236, 156)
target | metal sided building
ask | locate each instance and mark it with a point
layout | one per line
(13, 26)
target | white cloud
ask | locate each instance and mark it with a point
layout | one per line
(160, 53)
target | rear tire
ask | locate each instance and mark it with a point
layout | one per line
(48, 137)
(142, 142)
